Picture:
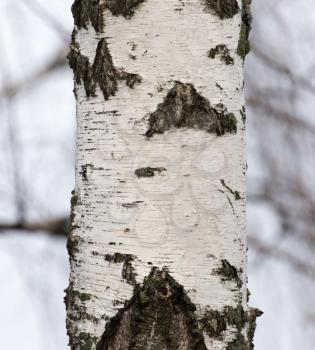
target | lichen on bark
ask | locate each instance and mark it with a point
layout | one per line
(223, 8)
(215, 323)
(74, 240)
(102, 73)
(159, 314)
(252, 315)
(243, 47)
(75, 302)
(184, 107)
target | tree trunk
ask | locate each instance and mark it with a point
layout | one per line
(158, 241)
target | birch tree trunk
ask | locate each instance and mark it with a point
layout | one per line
(158, 240)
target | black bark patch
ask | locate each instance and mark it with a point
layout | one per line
(88, 11)
(132, 204)
(240, 343)
(148, 172)
(243, 47)
(229, 272)
(77, 312)
(243, 115)
(160, 314)
(223, 52)
(102, 72)
(123, 7)
(223, 8)
(253, 313)
(128, 271)
(74, 241)
(82, 71)
(92, 11)
(215, 323)
(131, 79)
(184, 107)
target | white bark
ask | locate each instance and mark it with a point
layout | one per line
(184, 218)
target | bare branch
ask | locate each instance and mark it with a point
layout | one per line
(57, 226)
(55, 63)
(279, 254)
(284, 116)
(282, 69)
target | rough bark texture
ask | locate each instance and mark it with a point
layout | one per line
(157, 243)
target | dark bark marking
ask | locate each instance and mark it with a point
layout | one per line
(132, 204)
(85, 170)
(223, 52)
(148, 172)
(88, 11)
(124, 8)
(82, 71)
(215, 322)
(76, 312)
(223, 8)
(160, 314)
(252, 315)
(128, 271)
(229, 272)
(74, 240)
(184, 107)
(92, 11)
(243, 115)
(243, 47)
(219, 86)
(236, 194)
(229, 200)
(102, 72)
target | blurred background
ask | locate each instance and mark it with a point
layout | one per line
(37, 155)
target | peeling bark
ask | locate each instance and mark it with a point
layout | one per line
(243, 47)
